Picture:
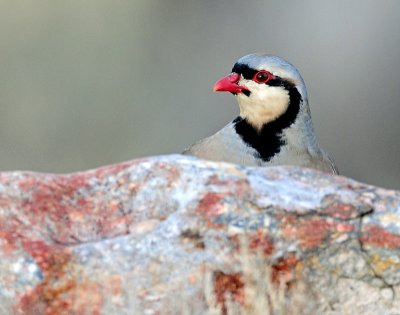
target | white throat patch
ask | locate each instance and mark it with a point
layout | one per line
(265, 103)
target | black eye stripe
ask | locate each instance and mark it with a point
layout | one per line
(249, 73)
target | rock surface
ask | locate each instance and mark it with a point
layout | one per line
(153, 236)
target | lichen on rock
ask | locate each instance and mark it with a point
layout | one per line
(132, 237)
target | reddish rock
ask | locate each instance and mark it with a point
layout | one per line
(143, 237)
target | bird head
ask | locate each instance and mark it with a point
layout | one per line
(266, 88)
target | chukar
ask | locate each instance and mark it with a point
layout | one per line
(274, 126)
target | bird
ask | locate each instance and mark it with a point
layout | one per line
(274, 125)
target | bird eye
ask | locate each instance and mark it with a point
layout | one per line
(262, 76)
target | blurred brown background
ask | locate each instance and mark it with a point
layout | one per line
(89, 83)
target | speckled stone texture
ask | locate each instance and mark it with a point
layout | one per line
(139, 237)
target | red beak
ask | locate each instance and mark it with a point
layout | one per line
(229, 84)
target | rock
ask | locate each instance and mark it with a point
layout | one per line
(176, 235)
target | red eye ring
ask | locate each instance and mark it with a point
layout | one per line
(263, 76)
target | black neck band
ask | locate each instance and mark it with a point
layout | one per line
(268, 140)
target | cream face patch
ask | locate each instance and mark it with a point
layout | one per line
(265, 103)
